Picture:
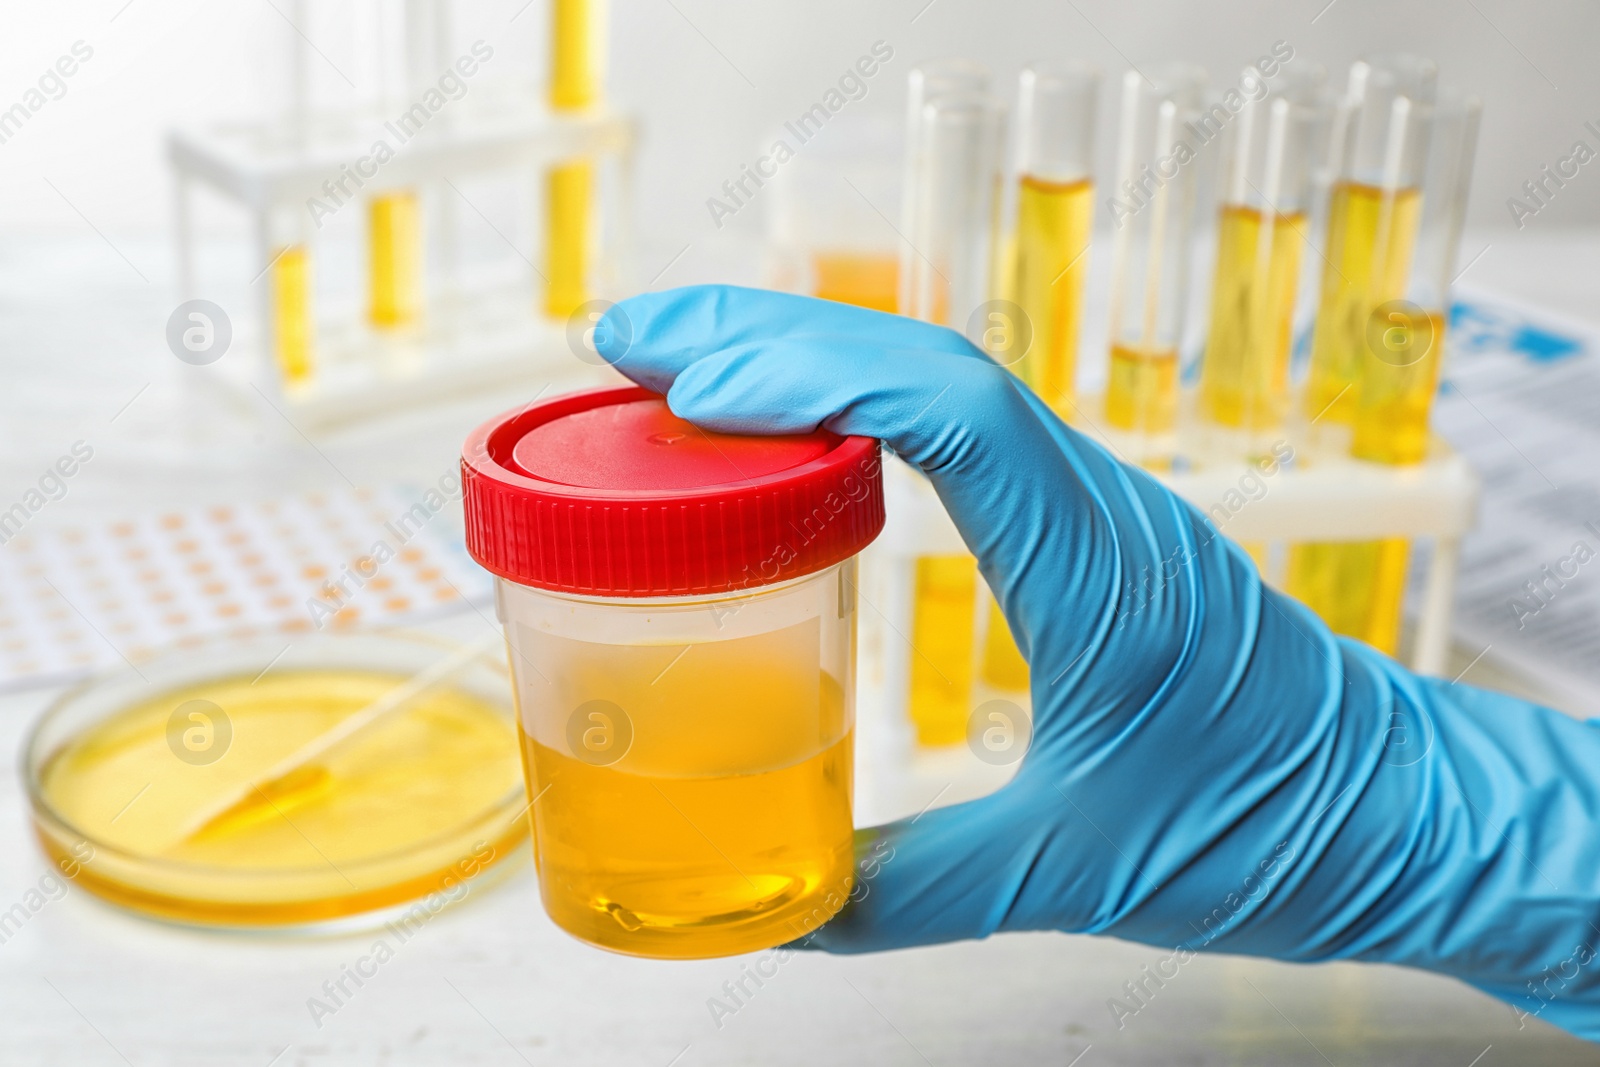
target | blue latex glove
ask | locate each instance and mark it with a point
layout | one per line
(1211, 768)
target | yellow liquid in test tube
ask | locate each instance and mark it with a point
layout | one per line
(865, 279)
(1395, 404)
(1371, 234)
(1358, 588)
(292, 328)
(725, 825)
(569, 192)
(383, 818)
(1050, 264)
(575, 76)
(1142, 391)
(942, 647)
(1244, 380)
(1003, 665)
(394, 259)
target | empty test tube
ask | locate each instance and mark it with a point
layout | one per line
(1156, 177)
(1271, 152)
(576, 72)
(951, 187)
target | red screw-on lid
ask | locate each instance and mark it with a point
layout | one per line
(608, 493)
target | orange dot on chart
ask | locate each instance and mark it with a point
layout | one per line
(191, 641)
(250, 559)
(397, 603)
(221, 514)
(410, 555)
(213, 588)
(188, 544)
(122, 529)
(238, 537)
(161, 596)
(444, 592)
(267, 578)
(228, 611)
(427, 574)
(279, 602)
(135, 554)
(346, 616)
(82, 657)
(150, 574)
(171, 522)
(314, 571)
(295, 625)
(200, 567)
(380, 584)
(72, 537)
(176, 618)
(123, 628)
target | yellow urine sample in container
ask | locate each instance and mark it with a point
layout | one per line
(1003, 665)
(569, 195)
(414, 805)
(394, 259)
(1244, 379)
(1357, 588)
(1142, 390)
(292, 327)
(724, 823)
(865, 279)
(942, 639)
(1371, 234)
(1051, 262)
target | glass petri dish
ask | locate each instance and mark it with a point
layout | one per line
(126, 771)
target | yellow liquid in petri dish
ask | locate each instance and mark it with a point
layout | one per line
(569, 194)
(412, 806)
(1371, 234)
(1244, 379)
(1142, 391)
(394, 259)
(1003, 665)
(943, 633)
(723, 824)
(292, 328)
(1054, 223)
(865, 279)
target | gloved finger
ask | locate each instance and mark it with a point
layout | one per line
(946, 875)
(1017, 500)
(653, 337)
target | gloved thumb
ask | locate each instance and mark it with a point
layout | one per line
(947, 874)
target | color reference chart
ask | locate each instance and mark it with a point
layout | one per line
(79, 599)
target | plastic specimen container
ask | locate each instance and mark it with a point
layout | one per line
(122, 770)
(679, 609)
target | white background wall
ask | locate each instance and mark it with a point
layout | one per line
(710, 77)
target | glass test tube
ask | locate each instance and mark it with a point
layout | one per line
(929, 81)
(1047, 263)
(576, 73)
(1374, 214)
(1379, 141)
(1270, 154)
(1156, 173)
(395, 263)
(1054, 219)
(293, 329)
(951, 186)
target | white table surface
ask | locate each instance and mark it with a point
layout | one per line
(491, 980)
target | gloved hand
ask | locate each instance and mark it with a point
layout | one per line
(1211, 768)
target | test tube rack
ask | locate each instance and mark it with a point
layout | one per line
(472, 336)
(1322, 496)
